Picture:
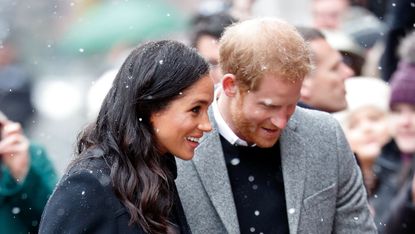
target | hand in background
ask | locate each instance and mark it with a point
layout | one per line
(14, 149)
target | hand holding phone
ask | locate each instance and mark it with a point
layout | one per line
(14, 149)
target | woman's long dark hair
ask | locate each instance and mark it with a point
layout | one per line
(152, 76)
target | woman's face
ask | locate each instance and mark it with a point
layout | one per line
(367, 132)
(403, 126)
(181, 124)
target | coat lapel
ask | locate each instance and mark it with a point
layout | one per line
(293, 159)
(211, 167)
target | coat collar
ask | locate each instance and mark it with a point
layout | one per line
(293, 159)
(211, 167)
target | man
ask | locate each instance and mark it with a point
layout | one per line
(207, 30)
(323, 88)
(268, 166)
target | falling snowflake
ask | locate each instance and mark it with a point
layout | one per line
(235, 161)
(16, 210)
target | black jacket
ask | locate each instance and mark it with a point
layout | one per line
(387, 169)
(84, 202)
(402, 216)
(391, 180)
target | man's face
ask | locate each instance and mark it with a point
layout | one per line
(324, 87)
(259, 116)
(403, 126)
(208, 47)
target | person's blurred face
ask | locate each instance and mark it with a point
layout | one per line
(367, 132)
(180, 126)
(327, 14)
(324, 87)
(208, 47)
(260, 116)
(403, 126)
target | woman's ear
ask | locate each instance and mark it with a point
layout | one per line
(229, 85)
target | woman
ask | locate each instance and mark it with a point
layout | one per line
(365, 123)
(123, 178)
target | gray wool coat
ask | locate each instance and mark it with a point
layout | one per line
(323, 184)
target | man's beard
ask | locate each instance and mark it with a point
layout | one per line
(247, 130)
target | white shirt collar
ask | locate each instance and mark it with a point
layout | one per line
(223, 127)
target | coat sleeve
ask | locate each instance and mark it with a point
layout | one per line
(79, 204)
(352, 210)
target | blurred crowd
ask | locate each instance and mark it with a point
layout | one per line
(363, 52)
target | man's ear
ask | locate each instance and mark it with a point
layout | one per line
(229, 85)
(306, 88)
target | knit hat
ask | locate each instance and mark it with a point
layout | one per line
(403, 84)
(362, 92)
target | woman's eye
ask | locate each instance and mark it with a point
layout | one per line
(196, 109)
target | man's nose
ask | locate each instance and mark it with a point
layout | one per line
(280, 120)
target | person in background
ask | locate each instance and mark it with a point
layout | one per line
(353, 20)
(269, 166)
(15, 86)
(323, 88)
(27, 179)
(365, 122)
(329, 14)
(353, 54)
(122, 180)
(206, 32)
(400, 21)
(397, 182)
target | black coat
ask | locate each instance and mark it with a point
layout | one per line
(402, 216)
(390, 196)
(84, 202)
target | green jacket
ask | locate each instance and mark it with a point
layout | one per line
(21, 204)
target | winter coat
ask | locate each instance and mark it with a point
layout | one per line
(402, 215)
(390, 180)
(322, 182)
(84, 202)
